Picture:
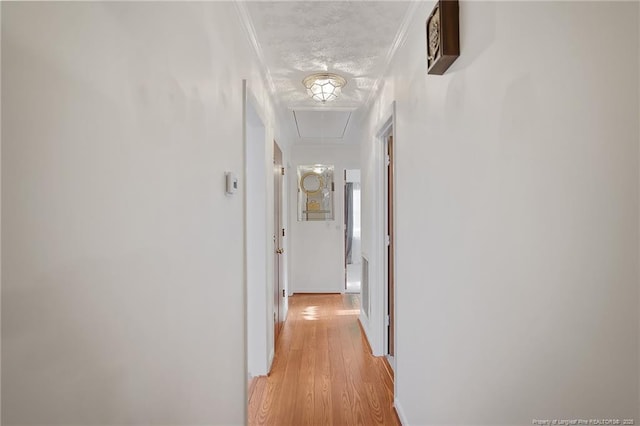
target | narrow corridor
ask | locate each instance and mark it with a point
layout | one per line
(323, 372)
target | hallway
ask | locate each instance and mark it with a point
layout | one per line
(323, 372)
(140, 204)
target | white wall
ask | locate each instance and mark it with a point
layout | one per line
(122, 283)
(317, 247)
(353, 175)
(516, 216)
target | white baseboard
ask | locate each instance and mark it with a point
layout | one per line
(403, 418)
(270, 361)
(319, 290)
(364, 321)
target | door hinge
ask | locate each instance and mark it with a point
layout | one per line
(283, 232)
(387, 240)
(387, 159)
(282, 170)
(283, 292)
(387, 321)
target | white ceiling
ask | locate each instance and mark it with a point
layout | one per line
(355, 39)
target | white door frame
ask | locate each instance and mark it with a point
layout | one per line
(257, 236)
(375, 325)
(387, 129)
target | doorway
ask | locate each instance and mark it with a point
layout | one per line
(389, 234)
(256, 239)
(278, 229)
(352, 235)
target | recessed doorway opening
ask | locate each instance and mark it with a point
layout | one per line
(352, 234)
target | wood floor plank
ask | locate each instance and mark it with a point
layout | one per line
(258, 385)
(323, 372)
(265, 405)
(304, 407)
(341, 408)
(322, 408)
(353, 375)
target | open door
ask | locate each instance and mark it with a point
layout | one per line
(278, 285)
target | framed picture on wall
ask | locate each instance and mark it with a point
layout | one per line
(443, 36)
(315, 192)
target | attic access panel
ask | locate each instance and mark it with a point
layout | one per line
(321, 124)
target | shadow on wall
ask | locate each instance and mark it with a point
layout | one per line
(483, 28)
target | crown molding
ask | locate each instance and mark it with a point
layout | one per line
(398, 42)
(250, 31)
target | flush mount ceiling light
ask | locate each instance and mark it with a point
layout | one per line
(324, 86)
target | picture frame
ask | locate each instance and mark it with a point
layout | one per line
(443, 36)
(315, 192)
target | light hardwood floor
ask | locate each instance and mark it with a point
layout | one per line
(323, 372)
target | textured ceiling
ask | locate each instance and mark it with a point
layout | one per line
(353, 39)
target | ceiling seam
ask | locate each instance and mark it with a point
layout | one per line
(398, 41)
(295, 118)
(345, 126)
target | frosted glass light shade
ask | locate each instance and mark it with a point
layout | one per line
(324, 87)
